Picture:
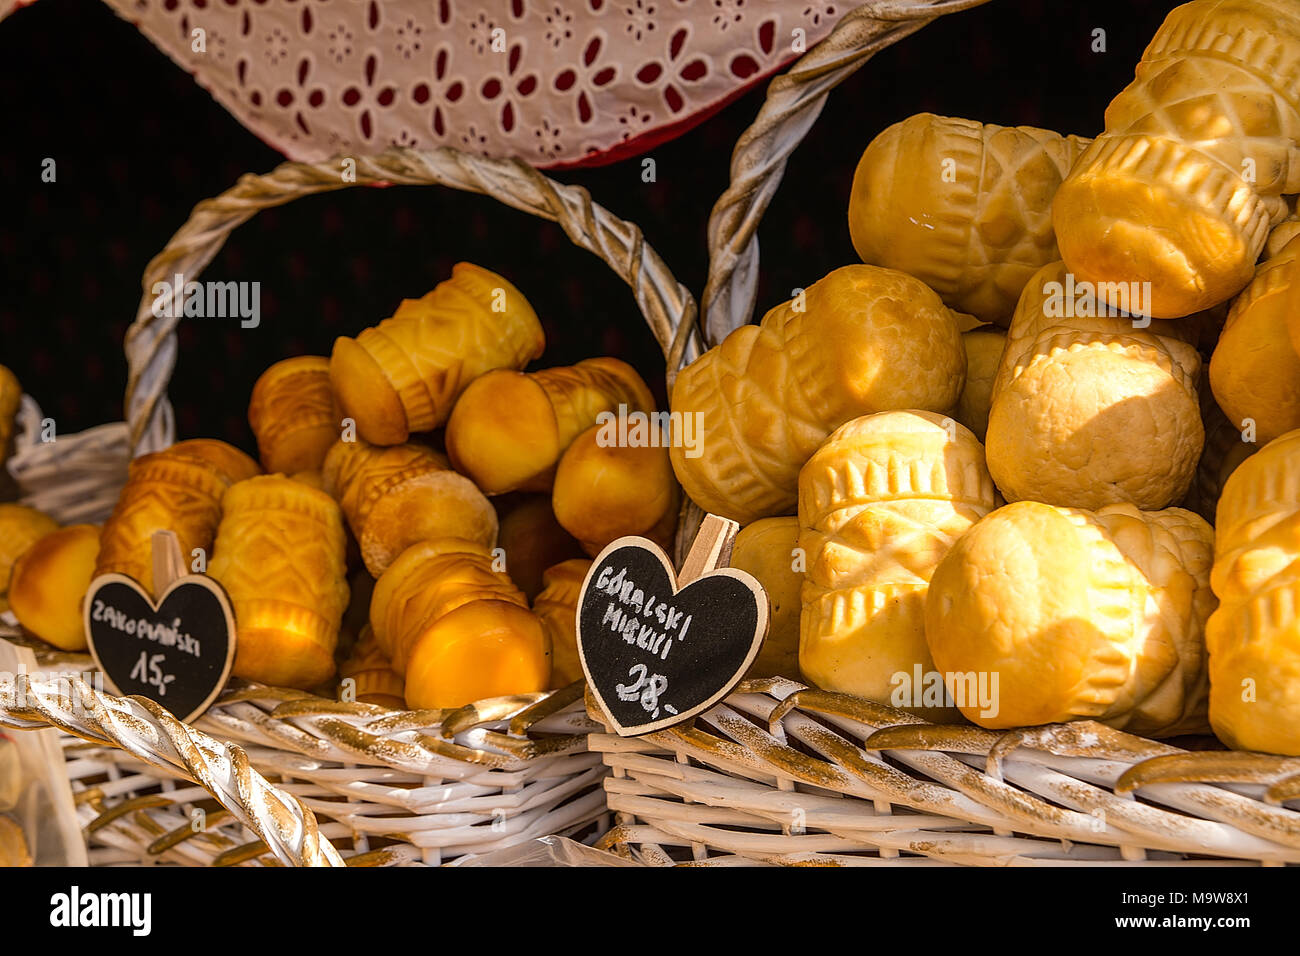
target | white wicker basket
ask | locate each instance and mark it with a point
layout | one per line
(783, 774)
(390, 787)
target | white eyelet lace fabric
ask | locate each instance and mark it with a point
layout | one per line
(9, 6)
(551, 82)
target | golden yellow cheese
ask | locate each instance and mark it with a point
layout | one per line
(49, 581)
(292, 414)
(397, 495)
(1091, 410)
(11, 396)
(1254, 635)
(769, 550)
(1066, 614)
(1284, 231)
(1294, 329)
(178, 489)
(429, 579)
(380, 686)
(221, 457)
(556, 606)
(605, 491)
(356, 616)
(880, 503)
(280, 557)
(1225, 449)
(20, 528)
(965, 207)
(1201, 330)
(861, 340)
(983, 355)
(509, 428)
(1255, 369)
(312, 479)
(1184, 184)
(405, 374)
(372, 673)
(480, 650)
(532, 540)
(457, 629)
(13, 846)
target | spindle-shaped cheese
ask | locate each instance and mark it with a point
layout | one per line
(984, 347)
(405, 374)
(20, 528)
(556, 606)
(965, 207)
(605, 490)
(280, 557)
(1091, 409)
(293, 416)
(1254, 636)
(1255, 369)
(1067, 614)
(879, 504)
(374, 680)
(49, 581)
(456, 628)
(863, 339)
(769, 550)
(397, 495)
(178, 489)
(1183, 186)
(509, 429)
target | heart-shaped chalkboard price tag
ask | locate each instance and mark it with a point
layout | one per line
(659, 647)
(176, 650)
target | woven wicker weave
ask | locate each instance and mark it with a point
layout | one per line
(782, 774)
(74, 477)
(390, 787)
(282, 826)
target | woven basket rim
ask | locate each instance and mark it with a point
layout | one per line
(848, 781)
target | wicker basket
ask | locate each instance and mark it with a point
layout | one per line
(75, 477)
(389, 787)
(783, 774)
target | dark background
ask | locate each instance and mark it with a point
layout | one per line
(138, 144)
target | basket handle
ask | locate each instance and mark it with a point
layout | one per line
(794, 101)
(151, 734)
(667, 305)
(28, 421)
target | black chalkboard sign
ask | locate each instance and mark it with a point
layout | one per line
(656, 655)
(177, 651)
